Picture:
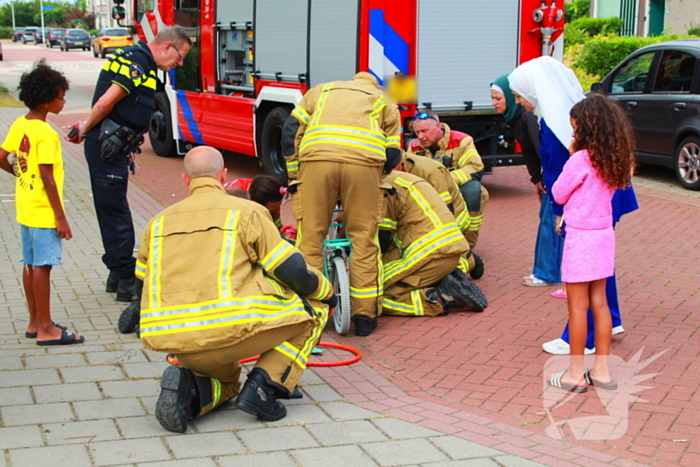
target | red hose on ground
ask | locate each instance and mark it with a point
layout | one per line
(350, 361)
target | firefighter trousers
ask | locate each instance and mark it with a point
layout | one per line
(283, 353)
(475, 196)
(406, 296)
(320, 184)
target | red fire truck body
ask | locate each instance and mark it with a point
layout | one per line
(252, 61)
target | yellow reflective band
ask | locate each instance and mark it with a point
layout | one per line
(275, 284)
(324, 289)
(298, 240)
(475, 223)
(228, 248)
(461, 177)
(154, 268)
(347, 132)
(465, 157)
(280, 251)
(301, 115)
(422, 202)
(369, 292)
(417, 300)
(398, 306)
(463, 220)
(293, 165)
(463, 265)
(321, 103)
(140, 269)
(379, 104)
(215, 392)
(321, 319)
(393, 141)
(278, 223)
(285, 348)
(446, 197)
(344, 142)
(387, 223)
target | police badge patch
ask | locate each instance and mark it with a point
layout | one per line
(136, 71)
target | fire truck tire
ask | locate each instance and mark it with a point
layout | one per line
(160, 129)
(271, 147)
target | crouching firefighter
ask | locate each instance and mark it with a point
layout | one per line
(221, 285)
(422, 250)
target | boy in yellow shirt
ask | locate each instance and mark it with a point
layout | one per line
(39, 196)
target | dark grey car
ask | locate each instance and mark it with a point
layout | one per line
(75, 39)
(658, 86)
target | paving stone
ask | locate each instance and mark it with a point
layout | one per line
(515, 461)
(150, 404)
(28, 378)
(54, 361)
(301, 415)
(15, 396)
(80, 432)
(91, 373)
(145, 370)
(310, 377)
(128, 451)
(201, 462)
(277, 439)
(399, 429)
(131, 388)
(277, 459)
(346, 411)
(220, 420)
(119, 356)
(353, 432)
(65, 349)
(74, 456)
(35, 414)
(462, 449)
(109, 408)
(20, 437)
(414, 451)
(67, 392)
(322, 393)
(483, 462)
(205, 444)
(11, 363)
(141, 427)
(20, 352)
(338, 456)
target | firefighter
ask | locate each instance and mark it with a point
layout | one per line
(337, 142)
(220, 285)
(422, 248)
(456, 151)
(124, 95)
(439, 178)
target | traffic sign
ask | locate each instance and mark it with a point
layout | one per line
(48, 7)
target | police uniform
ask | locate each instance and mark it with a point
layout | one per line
(421, 243)
(134, 69)
(217, 289)
(336, 143)
(457, 152)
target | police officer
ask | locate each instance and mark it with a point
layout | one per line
(457, 152)
(125, 95)
(220, 285)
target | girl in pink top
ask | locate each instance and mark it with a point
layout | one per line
(601, 162)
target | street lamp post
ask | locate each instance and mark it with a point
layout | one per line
(43, 31)
(12, 5)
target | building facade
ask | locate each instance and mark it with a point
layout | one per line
(650, 17)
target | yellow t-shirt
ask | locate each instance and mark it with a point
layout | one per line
(35, 142)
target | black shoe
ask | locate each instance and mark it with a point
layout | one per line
(112, 283)
(259, 397)
(455, 291)
(364, 325)
(178, 392)
(478, 271)
(129, 318)
(126, 291)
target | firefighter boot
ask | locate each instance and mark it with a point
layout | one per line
(364, 325)
(112, 282)
(259, 397)
(125, 290)
(129, 319)
(455, 291)
(178, 399)
(478, 270)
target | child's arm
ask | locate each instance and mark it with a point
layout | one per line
(5, 163)
(62, 227)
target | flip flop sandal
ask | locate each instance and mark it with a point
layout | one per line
(555, 382)
(532, 281)
(611, 386)
(32, 335)
(560, 293)
(67, 338)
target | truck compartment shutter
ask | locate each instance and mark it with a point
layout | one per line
(280, 37)
(462, 47)
(333, 46)
(234, 11)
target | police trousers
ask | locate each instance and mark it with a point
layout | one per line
(109, 181)
(283, 353)
(475, 196)
(321, 183)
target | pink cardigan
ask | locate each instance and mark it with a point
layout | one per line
(586, 197)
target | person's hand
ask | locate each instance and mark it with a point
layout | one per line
(539, 188)
(78, 137)
(558, 222)
(63, 229)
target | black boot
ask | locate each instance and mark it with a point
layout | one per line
(177, 400)
(259, 397)
(112, 282)
(129, 318)
(125, 290)
(478, 271)
(455, 291)
(364, 325)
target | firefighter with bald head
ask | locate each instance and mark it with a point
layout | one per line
(218, 284)
(457, 152)
(338, 142)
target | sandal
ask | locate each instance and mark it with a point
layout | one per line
(533, 281)
(555, 382)
(32, 335)
(67, 338)
(560, 293)
(611, 386)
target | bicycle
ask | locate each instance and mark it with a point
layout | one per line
(335, 268)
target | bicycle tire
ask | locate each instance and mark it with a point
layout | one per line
(341, 286)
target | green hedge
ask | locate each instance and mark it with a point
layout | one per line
(601, 54)
(596, 26)
(694, 30)
(5, 32)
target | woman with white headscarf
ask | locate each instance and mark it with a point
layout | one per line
(549, 89)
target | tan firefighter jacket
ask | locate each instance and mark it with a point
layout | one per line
(464, 161)
(208, 269)
(422, 226)
(345, 121)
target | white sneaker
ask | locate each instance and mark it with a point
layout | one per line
(617, 330)
(560, 347)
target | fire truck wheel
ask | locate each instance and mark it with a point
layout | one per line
(271, 146)
(160, 129)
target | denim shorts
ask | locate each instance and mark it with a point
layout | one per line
(41, 247)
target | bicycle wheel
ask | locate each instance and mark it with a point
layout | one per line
(341, 286)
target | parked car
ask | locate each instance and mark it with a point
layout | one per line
(658, 86)
(75, 39)
(17, 34)
(54, 37)
(39, 35)
(28, 35)
(110, 39)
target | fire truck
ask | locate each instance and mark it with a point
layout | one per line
(253, 60)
